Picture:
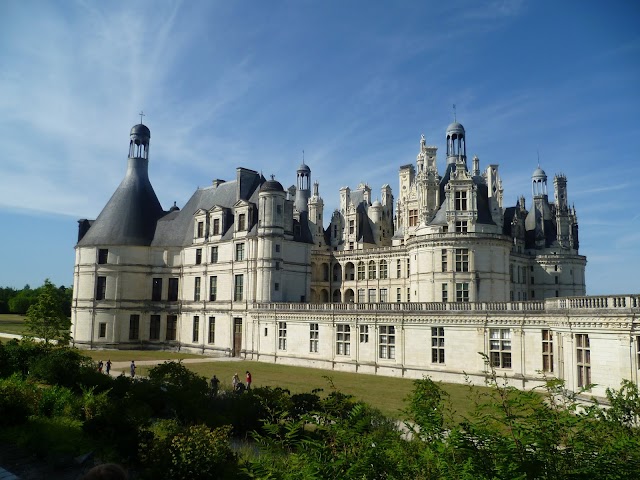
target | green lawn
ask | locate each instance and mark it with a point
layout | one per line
(12, 323)
(128, 355)
(385, 393)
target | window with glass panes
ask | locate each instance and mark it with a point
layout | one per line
(383, 295)
(213, 289)
(383, 269)
(462, 292)
(361, 293)
(398, 269)
(547, 351)
(462, 227)
(437, 344)
(364, 333)
(214, 254)
(282, 335)
(461, 200)
(154, 327)
(216, 226)
(387, 341)
(500, 347)
(398, 294)
(156, 289)
(372, 270)
(172, 293)
(361, 269)
(172, 322)
(238, 289)
(198, 256)
(196, 289)
(443, 259)
(134, 327)
(196, 328)
(408, 267)
(445, 292)
(239, 252)
(343, 339)
(101, 288)
(413, 218)
(462, 259)
(314, 334)
(372, 295)
(212, 330)
(583, 360)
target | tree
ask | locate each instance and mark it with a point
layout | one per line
(46, 318)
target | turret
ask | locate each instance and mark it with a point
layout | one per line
(303, 188)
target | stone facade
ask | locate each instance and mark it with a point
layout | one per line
(247, 269)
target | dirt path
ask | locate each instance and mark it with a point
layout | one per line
(118, 368)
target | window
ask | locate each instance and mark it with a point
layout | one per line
(500, 347)
(276, 287)
(408, 294)
(443, 259)
(398, 295)
(461, 200)
(277, 248)
(556, 279)
(172, 322)
(360, 270)
(437, 344)
(213, 289)
(216, 226)
(198, 256)
(462, 292)
(413, 218)
(583, 360)
(279, 209)
(398, 269)
(364, 333)
(461, 227)
(352, 226)
(408, 267)
(343, 339)
(173, 290)
(238, 288)
(103, 255)
(383, 270)
(533, 280)
(372, 270)
(212, 330)
(350, 245)
(196, 328)
(239, 252)
(214, 254)
(445, 292)
(200, 229)
(277, 265)
(383, 295)
(313, 337)
(387, 341)
(372, 295)
(134, 327)
(462, 259)
(361, 298)
(154, 327)
(102, 330)
(547, 351)
(196, 289)
(101, 288)
(156, 290)
(282, 335)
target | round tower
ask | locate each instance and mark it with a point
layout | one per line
(539, 183)
(456, 143)
(303, 188)
(271, 201)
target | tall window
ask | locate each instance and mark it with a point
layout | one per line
(214, 254)
(461, 200)
(437, 344)
(383, 270)
(461, 227)
(462, 259)
(102, 330)
(445, 292)
(443, 259)
(364, 333)
(216, 226)
(213, 289)
(313, 337)
(134, 327)
(372, 270)
(172, 323)
(387, 341)
(198, 256)
(343, 339)
(398, 269)
(361, 293)
(408, 294)
(500, 347)
(103, 256)
(413, 218)
(547, 351)
(383, 295)
(200, 229)
(372, 295)
(154, 327)
(239, 252)
(398, 294)
(408, 267)
(156, 289)
(196, 328)
(462, 292)
(583, 360)
(212, 330)
(196, 289)
(352, 226)
(241, 221)
(238, 288)
(282, 335)
(361, 271)
(101, 288)
(173, 290)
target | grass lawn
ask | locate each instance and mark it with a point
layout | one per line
(385, 393)
(12, 323)
(128, 355)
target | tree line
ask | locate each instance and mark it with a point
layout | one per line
(18, 301)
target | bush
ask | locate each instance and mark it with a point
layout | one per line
(17, 355)
(19, 399)
(62, 366)
(58, 401)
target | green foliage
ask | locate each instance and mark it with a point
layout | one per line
(21, 301)
(16, 356)
(63, 366)
(46, 318)
(57, 401)
(6, 293)
(19, 399)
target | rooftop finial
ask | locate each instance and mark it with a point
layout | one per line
(303, 157)
(454, 113)
(273, 177)
(538, 150)
(141, 115)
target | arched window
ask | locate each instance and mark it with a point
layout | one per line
(361, 271)
(383, 269)
(372, 270)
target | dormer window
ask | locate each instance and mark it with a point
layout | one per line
(200, 230)
(413, 218)
(241, 222)
(461, 200)
(216, 226)
(461, 227)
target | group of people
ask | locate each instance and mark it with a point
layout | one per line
(101, 365)
(237, 385)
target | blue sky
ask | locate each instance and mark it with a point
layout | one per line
(353, 84)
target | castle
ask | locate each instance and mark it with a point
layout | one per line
(408, 287)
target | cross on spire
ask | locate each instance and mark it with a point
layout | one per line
(141, 115)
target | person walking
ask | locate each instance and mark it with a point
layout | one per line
(100, 365)
(248, 378)
(133, 369)
(108, 366)
(214, 386)
(235, 381)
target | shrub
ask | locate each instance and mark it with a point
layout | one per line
(62, 366)
(58, 401)
(18, 400)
